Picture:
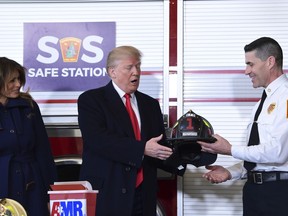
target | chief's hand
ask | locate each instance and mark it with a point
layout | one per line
(218, 174)
(155, 150)
(221, 146)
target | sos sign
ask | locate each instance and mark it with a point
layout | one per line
(65, 56)
(70, 49)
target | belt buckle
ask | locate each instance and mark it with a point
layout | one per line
(258, 178)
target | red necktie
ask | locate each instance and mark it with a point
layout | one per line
(137, 133)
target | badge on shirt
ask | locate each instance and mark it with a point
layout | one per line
(271, 108)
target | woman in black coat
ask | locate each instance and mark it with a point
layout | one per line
(26, 162)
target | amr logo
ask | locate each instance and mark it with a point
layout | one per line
(68, 208)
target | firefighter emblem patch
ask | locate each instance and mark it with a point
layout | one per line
(271, 108)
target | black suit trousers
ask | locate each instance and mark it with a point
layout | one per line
(267, 199)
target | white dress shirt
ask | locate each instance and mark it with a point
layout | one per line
(133, 101)
(272, 152)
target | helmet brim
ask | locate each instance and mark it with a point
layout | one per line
(193, 140)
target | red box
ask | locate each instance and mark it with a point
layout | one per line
(73, 199)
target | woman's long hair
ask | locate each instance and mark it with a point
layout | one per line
(7, 67)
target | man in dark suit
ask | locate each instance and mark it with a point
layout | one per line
(111, 153)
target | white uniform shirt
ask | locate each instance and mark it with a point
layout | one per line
(272, 152)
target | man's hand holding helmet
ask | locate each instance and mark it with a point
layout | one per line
(155, 150)
(220, 146)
